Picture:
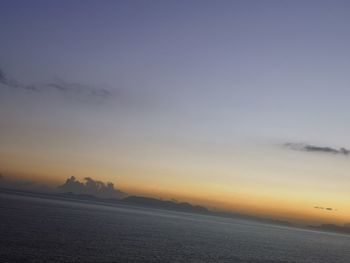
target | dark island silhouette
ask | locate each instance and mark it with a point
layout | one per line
(332, 228)
(143, 202)
(164, 204)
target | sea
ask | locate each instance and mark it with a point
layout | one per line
(39, 229)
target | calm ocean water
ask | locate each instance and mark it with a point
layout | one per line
(45, 230)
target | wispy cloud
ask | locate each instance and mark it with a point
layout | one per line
(317, 149)
(77, 88)
(59, 86)
(324, 208)
(12, 83)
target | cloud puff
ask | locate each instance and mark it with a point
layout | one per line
(91, 187)
(88, 187)
(317, 149)
(59, 86)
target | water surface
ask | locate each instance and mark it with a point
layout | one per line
(48, 230)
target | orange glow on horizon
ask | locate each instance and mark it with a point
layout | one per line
(297, 208)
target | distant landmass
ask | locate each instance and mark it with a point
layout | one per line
(154, 203)
(157, 203)
(142, 201)
(332, 228)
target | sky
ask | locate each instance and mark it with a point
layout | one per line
(236, 105)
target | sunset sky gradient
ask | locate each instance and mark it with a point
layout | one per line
(193, 100)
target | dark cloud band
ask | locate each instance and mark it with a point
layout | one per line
(324, 208)
(316, 149)
(59, 86)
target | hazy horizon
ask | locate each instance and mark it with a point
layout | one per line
(26, 184)
(239, 105)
